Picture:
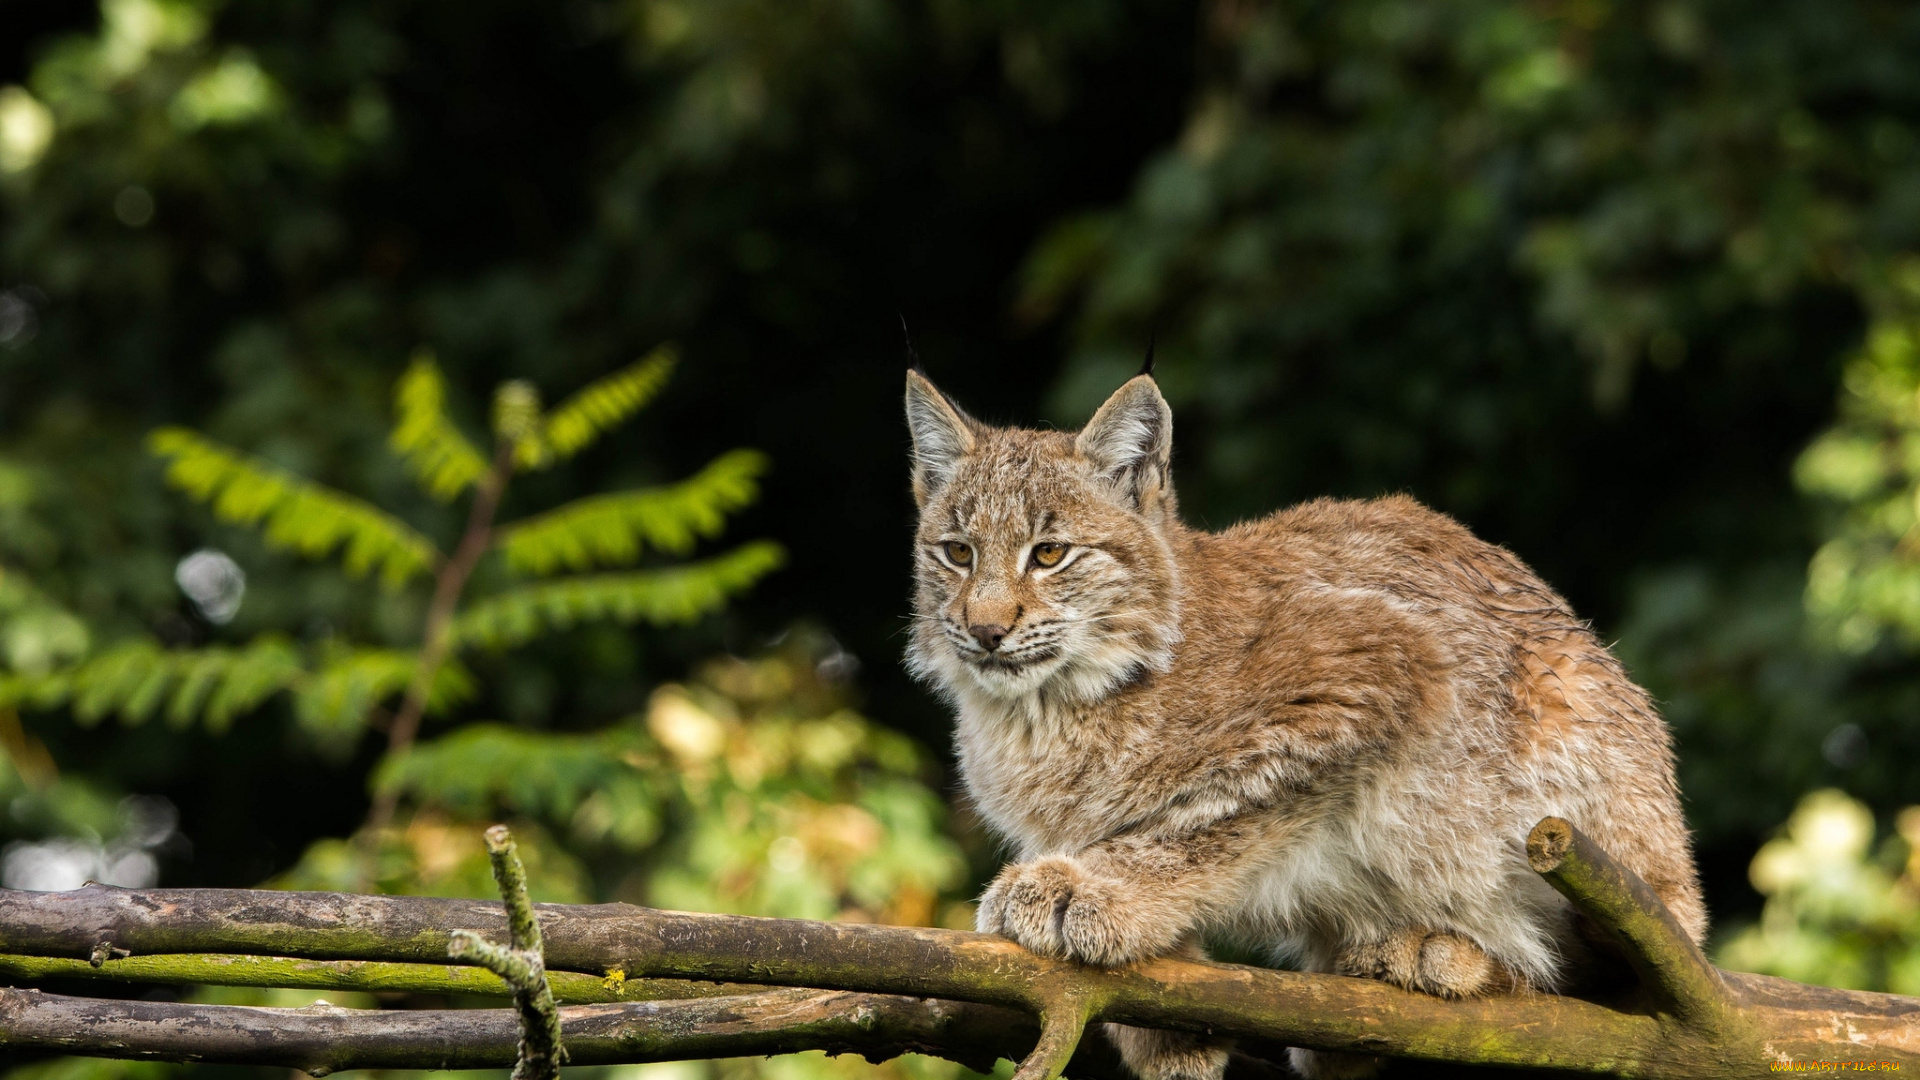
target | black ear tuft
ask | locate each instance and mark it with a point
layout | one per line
(913, 358)
(1147, 368)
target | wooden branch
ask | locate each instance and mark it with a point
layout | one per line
(1690, 1021)
(1669, 964)
(1719, 1014)
(1062, 1025)
(1325, 1012)
(323, 1039)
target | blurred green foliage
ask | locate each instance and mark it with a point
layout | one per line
(752, 788)
(1839, 912)
(1864, 584)
(1626, 285)
(340, 687)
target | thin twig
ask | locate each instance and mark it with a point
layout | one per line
(520, 963)
(436, 640)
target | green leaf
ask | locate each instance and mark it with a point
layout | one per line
(516, 421)
(437, 454)
(136, 678)
(266, 666)
(589, 781)
(37, 634)
(602, 406)
(612, 530)
(296, 514)
(337, 700)
(681, 594)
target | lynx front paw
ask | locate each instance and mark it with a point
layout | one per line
(1058, 909)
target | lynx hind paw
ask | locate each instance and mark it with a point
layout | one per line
(1394, 958)
(1442, 964)
(1055, 908)
(1326, 1065)
(1453, 967)
(1168, 1055)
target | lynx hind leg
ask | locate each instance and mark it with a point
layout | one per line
(1394, 958)
(1168, 1055)
(1151, 1054)
(1327, 1065)
(1442, 964)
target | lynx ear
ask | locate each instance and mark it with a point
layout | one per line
(942, 435)
(1130, 441)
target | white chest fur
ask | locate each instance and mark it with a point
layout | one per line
(1037, 780)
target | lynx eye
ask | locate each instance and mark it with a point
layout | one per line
(1049, 553)
(959, 554)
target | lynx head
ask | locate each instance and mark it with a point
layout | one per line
(1043, 563)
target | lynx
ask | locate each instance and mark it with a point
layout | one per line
(1324, 734)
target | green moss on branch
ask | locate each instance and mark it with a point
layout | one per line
(216, 969)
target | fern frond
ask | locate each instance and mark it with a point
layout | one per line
(36, 691)
(601, 406)
(337, 700)
(262, 669)
(612, 530)
(483, 769)
(298, 515)
(678, 595)
(135, 679)
(437, 454)
(517, 422)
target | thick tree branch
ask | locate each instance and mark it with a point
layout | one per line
(1686, 1023)
(324, 1039)
(1309, 1010)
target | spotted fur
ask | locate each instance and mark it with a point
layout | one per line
(1324, 733)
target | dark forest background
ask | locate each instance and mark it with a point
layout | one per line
(1591, 276)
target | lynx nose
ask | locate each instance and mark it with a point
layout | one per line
(989, 635)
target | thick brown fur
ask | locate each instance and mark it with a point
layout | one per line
(1325, 732)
